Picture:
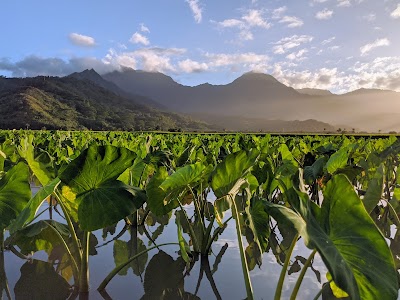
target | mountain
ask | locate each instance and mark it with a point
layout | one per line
(92, 76)
(73, 103)
(261, 96)
(314, 92)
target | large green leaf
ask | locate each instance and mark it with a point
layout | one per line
(184, 177)
(40, 165)
(157, 200)
(15, 193)
(234, 167)
(338, 160)
(351, 241)
(107, 204)
(29, 212)
(374, 191)
(101, 200)
(351, 246)
(257, 228)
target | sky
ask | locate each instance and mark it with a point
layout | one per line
(340, 45)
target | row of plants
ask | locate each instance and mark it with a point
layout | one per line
(339, 195)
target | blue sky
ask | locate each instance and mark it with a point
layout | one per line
(339, 45)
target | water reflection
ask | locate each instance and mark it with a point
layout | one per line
(160, 274)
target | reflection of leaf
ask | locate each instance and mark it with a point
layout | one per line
(294, 268)
(163, 276)
(125, 250)
(39, 236)
(218, 258)
(40, 281)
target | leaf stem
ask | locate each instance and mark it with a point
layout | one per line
(84, 274)
(245, 269)
(279, 286)
(301, 276)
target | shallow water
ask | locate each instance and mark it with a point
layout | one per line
(228, 278)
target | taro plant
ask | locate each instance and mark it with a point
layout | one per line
(90, 197)
(342, 232)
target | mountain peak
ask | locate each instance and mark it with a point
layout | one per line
(256, 76)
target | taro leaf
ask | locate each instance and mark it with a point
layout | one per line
(184, 177)
(338, 160)
(157, 200)
(125, 250)
(234, 167)
(374, 191)
(101, 199)
(351, 246)
(253, 255)
(312, 173)
(39, 280)
(15, 193)
(108, 204)
(29, 212)
(257, 220)
(163, 274)
(39, 236)
(40, 165)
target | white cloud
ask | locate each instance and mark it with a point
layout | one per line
(369, 47)
(254, 19)
(191, 66)
(138, 38)
(297, 55)
(196, 10)
(291, 21)
(396, 13)
(324, 14)
(144, 28)
(344, 3)
(334, 48)
(319, 1)
(251, 19)
(82, 40)
(285, 44)
(327, 41)
(231, 23)
(248, 59)
(147, 59)
(277, 13)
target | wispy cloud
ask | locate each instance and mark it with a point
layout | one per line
(138, 38)
(327, 41)
(285, 44)
(324, 14)
(344, 3)
(251, 19)
(291, 21)
(82, 40)
(396, 13)
(378, 43)
(196, 9)
(144, 28)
